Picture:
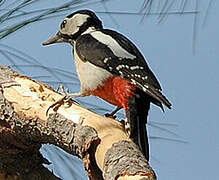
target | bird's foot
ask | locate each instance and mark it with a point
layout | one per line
(112, 114)
(62, 90)
(65, 99)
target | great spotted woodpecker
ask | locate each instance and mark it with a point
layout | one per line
(111, 67)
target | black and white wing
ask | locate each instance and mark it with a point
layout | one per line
(115, 53)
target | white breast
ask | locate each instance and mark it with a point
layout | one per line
(89, 75)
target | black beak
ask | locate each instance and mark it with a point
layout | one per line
(55, 39)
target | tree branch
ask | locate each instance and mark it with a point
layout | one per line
(101, 142)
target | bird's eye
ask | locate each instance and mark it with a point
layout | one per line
(63, 24)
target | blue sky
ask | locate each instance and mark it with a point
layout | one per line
(182, 51)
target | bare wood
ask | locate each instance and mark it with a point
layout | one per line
(101, 142)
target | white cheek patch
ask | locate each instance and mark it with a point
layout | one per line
(74, 23)
(113, 45)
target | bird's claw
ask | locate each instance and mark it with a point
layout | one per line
(110, 115)
(66, 98)
(62, 90)
(61, 101)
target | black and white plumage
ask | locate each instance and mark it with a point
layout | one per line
(120, 57)
(102, 54)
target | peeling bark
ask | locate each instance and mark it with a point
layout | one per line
(101, 142)
(125, 159)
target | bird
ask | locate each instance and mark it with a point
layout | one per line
(111, 67)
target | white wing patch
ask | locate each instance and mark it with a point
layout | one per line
(113, 45)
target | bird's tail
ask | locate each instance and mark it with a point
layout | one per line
(136, 114)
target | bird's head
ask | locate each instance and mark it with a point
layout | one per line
(74, 25)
